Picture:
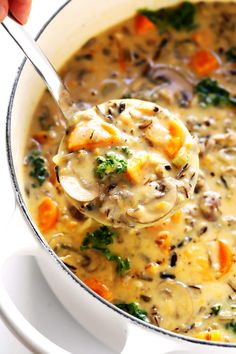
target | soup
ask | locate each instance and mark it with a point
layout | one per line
(179, 274)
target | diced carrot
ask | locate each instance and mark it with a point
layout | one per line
(203, 39)
(41, 137)
(48, 214)
(175, 129)
(135, 167)
(225, 257)
(204, 62)
(142, 24)
(176, 139)
(177, 216)
(173, 146)
(163, 240)
(213, 335)
(99, 287)
(91, 136)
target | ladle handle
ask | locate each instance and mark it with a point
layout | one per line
(41, 63)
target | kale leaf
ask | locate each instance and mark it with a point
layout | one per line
(98, 240)
(210, 93)
(122, 265)
(109, 164)
(180, 18)
(231, 54)
(134, 310)
(39, 172)
(231, 325)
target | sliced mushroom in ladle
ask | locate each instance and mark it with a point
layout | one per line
(125, 163)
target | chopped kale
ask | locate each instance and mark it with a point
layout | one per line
(98, 240)
(109, 164)
(39, 172)
(231, 54)
(122, 265)
(134, 310)
(215, 309)
(180, 18)
(210, 93)
(231, 325)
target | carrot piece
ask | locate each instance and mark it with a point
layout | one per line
(225, 257)
(91, 136)
(175, 129)
(204, 62)
(176, 217)
(135, 167)
(99, 287)
(41, 137)
(48, 214)
(203, 39)
(176, 139)
(142, 24)
(173, 146)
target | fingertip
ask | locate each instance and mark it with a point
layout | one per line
(3, 12)
(20, 9)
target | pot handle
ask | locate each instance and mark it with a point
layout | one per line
(141, 341)
(17, 240)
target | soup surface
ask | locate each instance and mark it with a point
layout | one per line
(179, 274)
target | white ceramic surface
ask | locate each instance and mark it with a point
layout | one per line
(80, 20)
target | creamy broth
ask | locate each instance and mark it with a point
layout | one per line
(179, 274)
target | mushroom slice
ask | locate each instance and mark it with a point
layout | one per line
(175, 304)
(76, 190)
(77, 177)
(168, 77)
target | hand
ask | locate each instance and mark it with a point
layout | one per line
(20, 9)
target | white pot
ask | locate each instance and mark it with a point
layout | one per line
(63, 34)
